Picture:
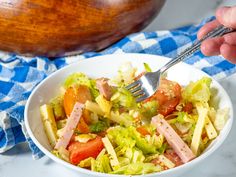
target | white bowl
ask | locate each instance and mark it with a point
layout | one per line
(107, 66)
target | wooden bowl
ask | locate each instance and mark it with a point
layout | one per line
(55, 28)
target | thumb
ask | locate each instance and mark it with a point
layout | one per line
(227, 16)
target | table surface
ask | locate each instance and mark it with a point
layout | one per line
(18, 161)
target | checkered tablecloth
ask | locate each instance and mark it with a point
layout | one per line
(19, 75)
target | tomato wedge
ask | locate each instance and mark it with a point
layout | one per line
(75, 94)
(169, 106)
(80, 151)
(168, 96)
(188, 107)
(80, 94)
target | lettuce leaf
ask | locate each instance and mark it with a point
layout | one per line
(124, 119)
(99, 126)
(198, 91)
(124, 98)
(147, 67)
(126, 75)
(58, 107)
(130, 137)
(137, 168)
(221, 118)
(149, 109)
(101, 163)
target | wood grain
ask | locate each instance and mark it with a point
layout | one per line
(55, 28)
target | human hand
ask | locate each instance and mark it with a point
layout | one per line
(225, 45)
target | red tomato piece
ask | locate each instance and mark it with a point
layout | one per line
(80, 151)
(168, 96)
(169, 106)
(188, 107)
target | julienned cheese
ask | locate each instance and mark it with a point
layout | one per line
(202, 112)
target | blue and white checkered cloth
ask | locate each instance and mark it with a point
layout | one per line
(19, 75)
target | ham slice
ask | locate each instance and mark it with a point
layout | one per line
(174, 140)
(70, 126)
(104, 88)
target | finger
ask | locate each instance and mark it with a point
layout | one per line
(207, 28)
(227, 16)
(212, 46)
(230, 38)
(228, 52)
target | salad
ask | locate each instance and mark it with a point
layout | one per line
(96, 124)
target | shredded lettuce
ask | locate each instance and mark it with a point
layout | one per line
(149, 109)
(182, 118)
(86, 163)
(82, 79)
(130, 137)
(157, 141)
(147, 67)
(151, 157)
(124, 119)
(58, 107)
(61, 123)
(163, 148)
(123, 97)
(126, 75)
(198, 91)
(221, 118)
(99, 126)
(137, 168)
(183, 122)
(102, 163)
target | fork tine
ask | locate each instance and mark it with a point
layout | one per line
(134, 84)
(139, 99)
(135, 89)
(138, 93)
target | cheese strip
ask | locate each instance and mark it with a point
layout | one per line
(49, 123)
(110, 150)
(210, 129)
(167, 162)
(202, 114)
(174, 140)
(70, 126)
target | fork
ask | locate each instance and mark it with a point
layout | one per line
(148, 84)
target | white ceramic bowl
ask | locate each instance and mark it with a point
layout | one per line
(107, 66)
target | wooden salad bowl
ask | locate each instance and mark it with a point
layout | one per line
(54, 28)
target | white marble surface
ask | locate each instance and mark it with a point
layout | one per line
(17, 162)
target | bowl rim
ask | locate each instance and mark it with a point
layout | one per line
(165, 172)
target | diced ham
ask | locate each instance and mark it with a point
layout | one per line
(70, 126)
(104, 88)
(174, 140)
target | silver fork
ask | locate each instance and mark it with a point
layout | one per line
(148, 84)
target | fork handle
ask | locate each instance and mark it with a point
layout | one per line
(217, 32)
